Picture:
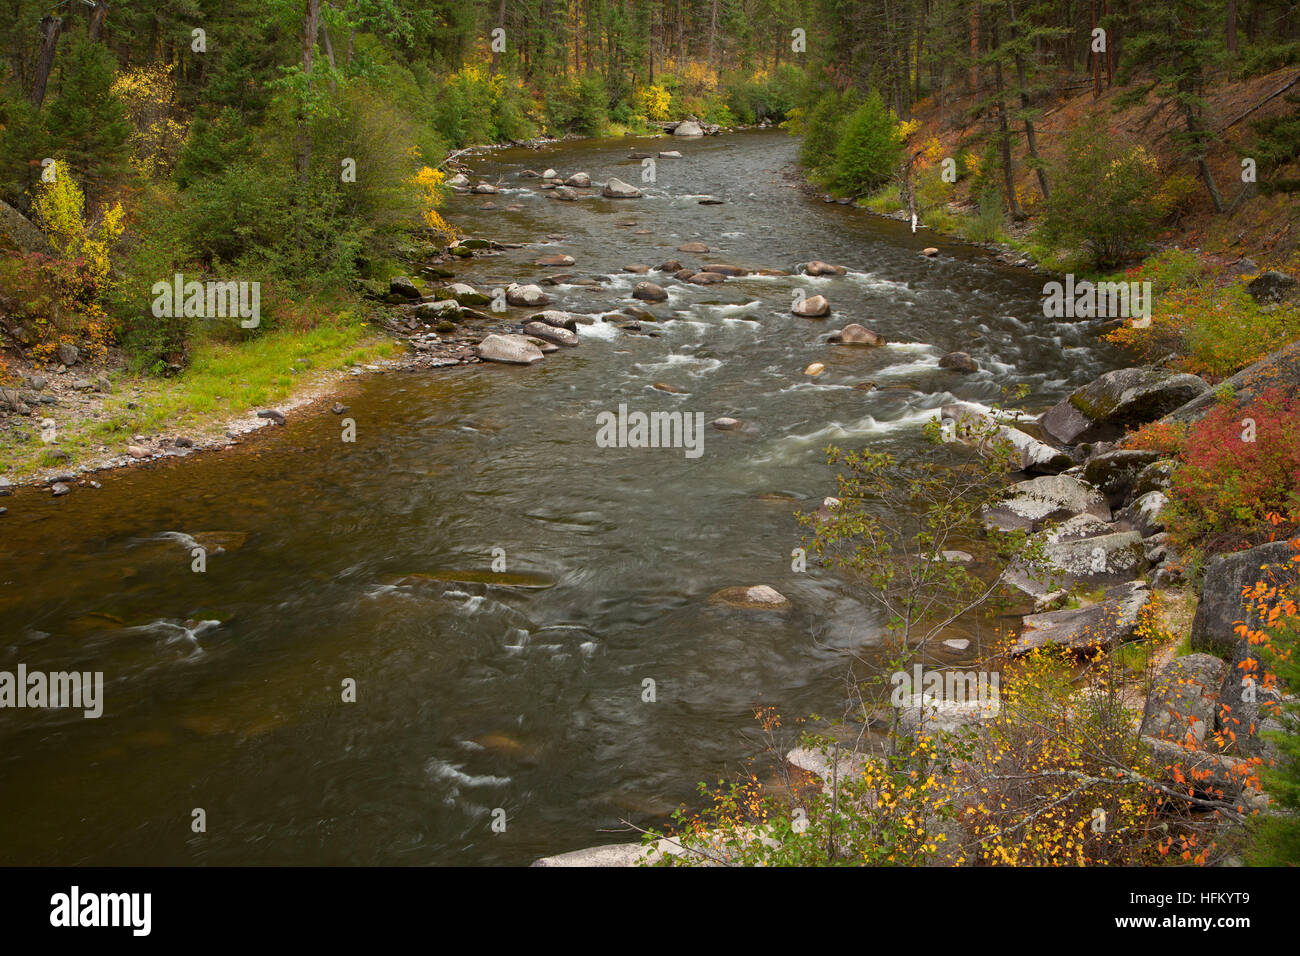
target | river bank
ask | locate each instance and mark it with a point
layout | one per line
(374, 559)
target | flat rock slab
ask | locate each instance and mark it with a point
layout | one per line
(1030, 505)
(1081, 550)
(1106, 624)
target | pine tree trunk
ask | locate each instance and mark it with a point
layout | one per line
(50, 27)
(96, 28)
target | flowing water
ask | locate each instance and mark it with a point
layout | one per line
(368, 560)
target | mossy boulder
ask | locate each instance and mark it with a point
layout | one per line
(1111, 403)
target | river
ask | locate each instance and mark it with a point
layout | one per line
(223, 689)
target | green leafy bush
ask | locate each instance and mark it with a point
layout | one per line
(1102, 204)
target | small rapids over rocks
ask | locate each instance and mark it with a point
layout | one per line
(497, 585)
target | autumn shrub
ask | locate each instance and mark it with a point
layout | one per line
(1168, 438)
(578, 104)
(54, 301)
(1242, 464)
(1210, 327)
(473, 107)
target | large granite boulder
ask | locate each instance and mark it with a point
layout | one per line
(1222, 605)
(971, 426)
(1106, 406)
(1081, 550)
(1033, 504)
(1272, 287)
(1180, 706)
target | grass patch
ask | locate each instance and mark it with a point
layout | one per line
(223, 381)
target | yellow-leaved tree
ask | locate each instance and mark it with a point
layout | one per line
(429, 182)
(60, 208)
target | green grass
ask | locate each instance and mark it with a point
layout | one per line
(223, 381)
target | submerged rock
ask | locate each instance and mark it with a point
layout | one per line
(854, 334)
(959, 362)
(759, 596)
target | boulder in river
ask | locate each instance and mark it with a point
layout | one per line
(972, 426)
(669, 154)
(815, 369)
(813, 307)
(759, 597)
(1106, 406)
(649, 292)
(672, 265)
(617, 189)
(696, 248)
(484, 189)
(819, 268)
(581, 180)
(550, 333)
(529, 295)
(688, 128)
(854, 334)
(511, 349)
(557, 318)
(549, 174)
(707, 278)
(464, 294)
(557, 259)
(725, 269)
(726, 424)
(959, 362)
(565, 193)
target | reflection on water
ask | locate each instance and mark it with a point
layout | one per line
(374, 561)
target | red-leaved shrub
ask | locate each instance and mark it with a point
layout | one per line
(1229, 484)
